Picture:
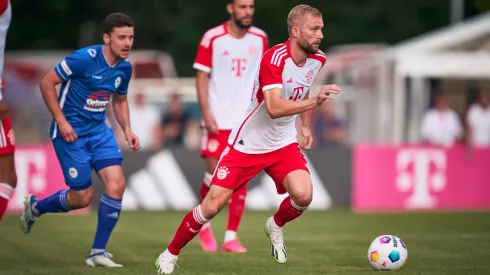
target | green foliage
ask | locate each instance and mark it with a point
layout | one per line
(176, 26)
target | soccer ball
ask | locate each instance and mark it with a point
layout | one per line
(387, 252)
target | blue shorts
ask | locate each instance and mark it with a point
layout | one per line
(77, 159)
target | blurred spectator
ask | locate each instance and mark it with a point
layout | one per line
(173, 125)
(478, 121)
(328, 129)
(27, 110)
(441, 125)
(143, 118)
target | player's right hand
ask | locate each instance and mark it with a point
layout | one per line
(325, 92)
(210, 123)
(67, 132)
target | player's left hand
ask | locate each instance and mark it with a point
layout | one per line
(133, 141)
(307, 138)
(325, 93)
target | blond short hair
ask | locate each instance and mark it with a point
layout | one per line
(298, 14)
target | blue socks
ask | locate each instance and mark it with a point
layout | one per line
(108, 215)
(55, 203)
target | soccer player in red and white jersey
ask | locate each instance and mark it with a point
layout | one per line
(227, 61)
(266, 137)
(8, 177)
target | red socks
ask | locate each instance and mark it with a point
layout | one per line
(206, 183)
(188, 229)
(236, 207)
(287, 212)
(5, 194)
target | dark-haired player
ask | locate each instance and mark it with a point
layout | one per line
(227, 61)
(83, 142)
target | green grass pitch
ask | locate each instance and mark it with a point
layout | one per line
(329, 242)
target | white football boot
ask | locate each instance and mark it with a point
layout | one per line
(278, 249)
(101, 259)
(29, 216)
(166, 263)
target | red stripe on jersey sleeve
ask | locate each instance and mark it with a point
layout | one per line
(3, 6)
(271, 67)
(320, 56)
(265, 42)
(258, 32)
(204, 57)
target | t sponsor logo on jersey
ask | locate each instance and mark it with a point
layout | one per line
(97, 102)
(238, 65)
(297, 93)
(222, 172)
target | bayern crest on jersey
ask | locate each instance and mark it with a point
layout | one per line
(253, 50)
(309, 77)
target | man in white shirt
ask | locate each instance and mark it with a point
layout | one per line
(441, 125)
(227, 61)
(478, 120)
(144, 118)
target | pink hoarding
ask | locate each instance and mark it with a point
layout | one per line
(38, 173)
(420, 178)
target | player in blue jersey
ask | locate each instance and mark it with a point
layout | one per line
(89, 78)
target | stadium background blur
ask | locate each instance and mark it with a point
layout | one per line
(391, 58)
(168, 32)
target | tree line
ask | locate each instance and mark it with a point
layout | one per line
(176, 26)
